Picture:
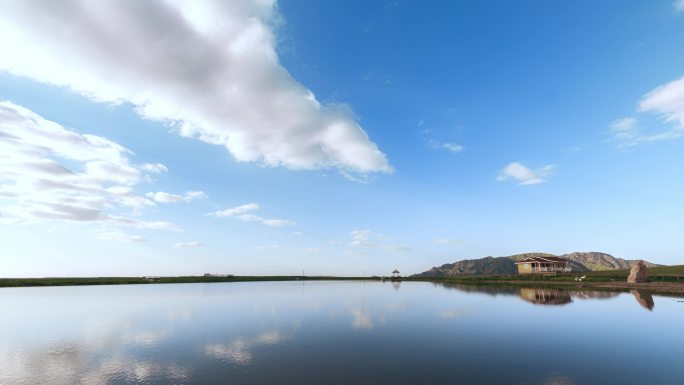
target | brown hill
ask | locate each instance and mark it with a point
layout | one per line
(579, 262)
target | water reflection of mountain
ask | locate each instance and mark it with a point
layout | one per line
(537, 296)
(484, 289)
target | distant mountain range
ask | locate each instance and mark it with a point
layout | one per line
(579, 262)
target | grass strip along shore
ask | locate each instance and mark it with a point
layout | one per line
(661, 280)
(79, 281)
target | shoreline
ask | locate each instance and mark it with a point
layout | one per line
(663, 288)
(98, 281)
(658, 287)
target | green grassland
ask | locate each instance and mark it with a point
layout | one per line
(655, 274)
(22, 282)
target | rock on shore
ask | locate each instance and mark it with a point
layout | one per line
(638, 273)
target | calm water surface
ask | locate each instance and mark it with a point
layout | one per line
(337, 333)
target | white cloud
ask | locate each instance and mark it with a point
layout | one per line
(156, 168)
(448, 241)
(48, 172)
(360, 239)
(192, 195)
(397, 248)
(249, 218)
(209, 68)
(625, 128)
(624, 125)
(182, 245)
(667, 101)
(242, 213)
(679, 5)
(117, 235)
(277, 222)
(236, 210)
(628, 133)
(523, 175)
(148, 225)
(164, 197)
(453, 147)
(356, 177)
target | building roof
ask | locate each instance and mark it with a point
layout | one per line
(395, 271)
(543, 260)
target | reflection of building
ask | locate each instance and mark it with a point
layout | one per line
(545, 296)
(543, 265)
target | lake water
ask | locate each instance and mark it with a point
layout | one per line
(340, 332)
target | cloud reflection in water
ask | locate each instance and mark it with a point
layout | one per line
(240, 350)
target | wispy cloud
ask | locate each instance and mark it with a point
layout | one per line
(397, 248)
(183, 245)
(449, 146)
(164, 197)
(149, 225)
(361, 239)
(243, 213)
(448, 241)
(277, 222)
(230, 91)
(666, 101)
(155, 168)
(627, 132)
(271, 247)
(239, 210)
(679, 5)
(117, 235)
(51, 173)
(525, 176)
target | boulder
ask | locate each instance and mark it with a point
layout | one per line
(638, 273)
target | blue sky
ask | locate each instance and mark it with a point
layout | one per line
(336, 137)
